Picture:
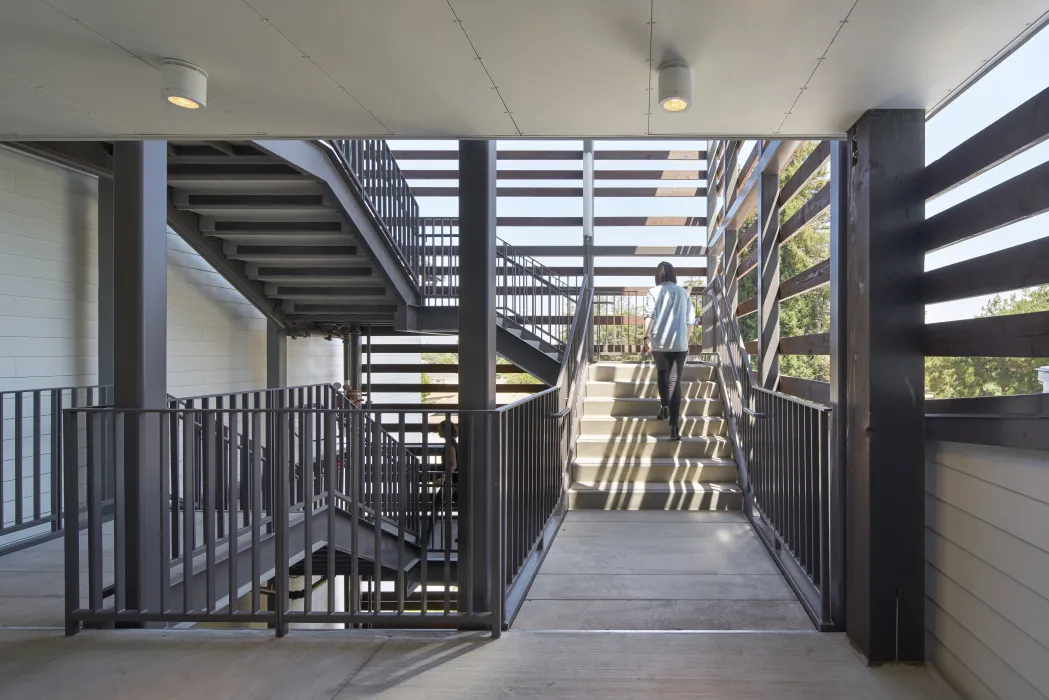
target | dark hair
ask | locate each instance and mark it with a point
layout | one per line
(665, 273)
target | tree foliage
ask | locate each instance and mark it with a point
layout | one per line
(962, 377)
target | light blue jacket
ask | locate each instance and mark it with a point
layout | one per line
(670, 308)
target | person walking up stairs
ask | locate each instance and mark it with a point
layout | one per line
(654, 436)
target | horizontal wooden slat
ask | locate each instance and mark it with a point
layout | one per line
(650, 155)
(563, 174)
(747, 264)
(1016, 199)
(1011, 134)
(747, 236)
(819, 203)
(805, 172)
(1024, 265)
(571, 191)
(409, 154)
(575, 251)
(816, 276)
(814, 344)
(808, 389)
(748, 306)
(452, 388)
(628, 349)
(449, 293)
(1019, 335)
(394, 349)
(540, 221)
(430, 368)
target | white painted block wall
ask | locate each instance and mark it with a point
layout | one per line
(987, 569)
(49, 305)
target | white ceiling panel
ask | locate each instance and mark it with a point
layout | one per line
(577, 67)
(406, 61)
(906, 54)
(749, 59)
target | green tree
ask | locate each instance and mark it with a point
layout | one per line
(806, 313)
(962, 377)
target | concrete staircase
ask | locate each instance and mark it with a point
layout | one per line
(625, 459)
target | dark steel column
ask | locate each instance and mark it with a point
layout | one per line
(708, 339)
(106, 366)
(839, 372)
(885, 441)
(588, 231)
(730, 266)
(352, 357)
(768, 280)
(140, 352)
(276, 356)
(477, 247)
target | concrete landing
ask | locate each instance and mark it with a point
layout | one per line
(659, 570)
(448, 666)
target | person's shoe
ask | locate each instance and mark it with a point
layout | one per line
(664, 413)
(675, 434)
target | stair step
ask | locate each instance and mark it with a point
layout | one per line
(649, 389)
(703, 496)
(646, 407)
(622, 426)
(622, 371)
(651, 446)
(593, 471)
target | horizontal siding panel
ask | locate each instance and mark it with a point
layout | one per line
(1020, 560)
(1018, 604)
(974, 655)
(954, 671)
(1023, 471)
(21, 266)
(1004, 639)
(1008, 510)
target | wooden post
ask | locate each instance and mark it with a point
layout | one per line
(730, 264)
(885, 438)
(768, 280)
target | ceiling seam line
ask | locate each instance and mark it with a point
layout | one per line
(143, 60)
(819, 62)
(651, 28)
(318, 66)
(81, 107)
(480, 60)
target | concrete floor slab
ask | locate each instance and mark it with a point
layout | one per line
(448, 666)
(694, 531)
(654, 516)
(660, 587)
(662, 615)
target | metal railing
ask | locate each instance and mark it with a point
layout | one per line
(536, 442)
(619, 323)
(528, 294)
(318, 492)
(32, 461)
(782, 448)
(384, 188)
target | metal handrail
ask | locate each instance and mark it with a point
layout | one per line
(583, 306)
(734, 332)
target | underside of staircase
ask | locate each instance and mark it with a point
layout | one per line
(625, 459)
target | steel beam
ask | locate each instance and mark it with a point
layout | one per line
(352, 357)
(588, 231)
(140, 354)
(276, 356)
(477, 354)
(839, 372)
(768, 280)
(106, 342)
(885, 446)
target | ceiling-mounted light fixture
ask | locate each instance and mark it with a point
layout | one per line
(185, 85)
(675, 86)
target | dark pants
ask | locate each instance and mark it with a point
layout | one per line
(670, 366)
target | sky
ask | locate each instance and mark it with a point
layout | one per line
(1018, 78)
(1015, 80)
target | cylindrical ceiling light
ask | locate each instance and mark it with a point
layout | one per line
(675, 86)
(185, 85)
